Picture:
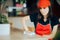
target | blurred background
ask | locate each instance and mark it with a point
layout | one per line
(12, 12)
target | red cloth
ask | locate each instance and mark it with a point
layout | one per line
(43, 29)
(43, 3)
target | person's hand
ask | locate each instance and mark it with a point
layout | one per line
(42, 37)
(38, 36)
(47, 36)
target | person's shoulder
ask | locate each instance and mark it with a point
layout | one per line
(54, 18)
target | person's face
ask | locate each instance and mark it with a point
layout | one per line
(44, 11)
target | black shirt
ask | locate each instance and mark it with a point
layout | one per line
(53, 20)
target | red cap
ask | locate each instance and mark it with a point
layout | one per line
(43, 3)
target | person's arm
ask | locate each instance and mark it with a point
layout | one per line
(54, 24)
(53, 33)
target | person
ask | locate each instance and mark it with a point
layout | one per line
(46, 24)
